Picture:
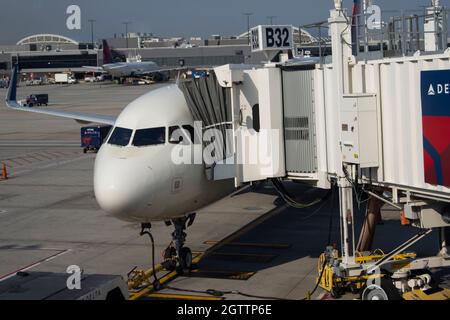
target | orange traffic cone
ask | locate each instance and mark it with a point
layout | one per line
(4, 173)
(403, 219)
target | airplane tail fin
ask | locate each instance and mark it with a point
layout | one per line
(107, 53)
(11, 95)
(110, 55)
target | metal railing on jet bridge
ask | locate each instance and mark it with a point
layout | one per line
(398, 33)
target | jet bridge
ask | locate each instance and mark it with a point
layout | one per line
(277, 119)
(379, 125)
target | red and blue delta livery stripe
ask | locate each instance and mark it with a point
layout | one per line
(435, 92)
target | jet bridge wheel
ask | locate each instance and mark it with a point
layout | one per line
(384, 290)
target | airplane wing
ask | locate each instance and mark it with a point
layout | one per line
(161, 70)
(11, 102)
(94, 69)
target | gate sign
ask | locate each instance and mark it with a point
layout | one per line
(271, 38)
(435, 86)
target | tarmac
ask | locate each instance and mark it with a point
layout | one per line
(251, 242)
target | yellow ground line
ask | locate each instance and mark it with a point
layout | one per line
(182, 297)
(251, 225)
(168, 277)
(147, 275)
(250, 244)
(198, 256)
(149, 289)
(230, 275)
(242, 254)
(443, 295)
(224, 271)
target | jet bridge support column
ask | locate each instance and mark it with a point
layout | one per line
(444, 238)
(347, 223)
(434, 27)
(341, 48)
(372, 219)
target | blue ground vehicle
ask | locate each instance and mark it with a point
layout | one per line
(93, 137)
(196, 74)
(37, 100)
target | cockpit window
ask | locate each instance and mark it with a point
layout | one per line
(120, 137)
(175, 135)
(149, 137)
(181, 135)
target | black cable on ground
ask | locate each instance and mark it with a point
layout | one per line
(330, 222)
(157, 283)
(358, 194)
(219, 293)
(330, 228)
(318, 279)
(284, 194)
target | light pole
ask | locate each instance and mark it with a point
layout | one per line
(248, 14)
(270, 18)
(126, 31)
(91, 21)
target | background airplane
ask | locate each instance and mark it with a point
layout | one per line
(118, 66)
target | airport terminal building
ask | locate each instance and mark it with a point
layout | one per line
(50, 53)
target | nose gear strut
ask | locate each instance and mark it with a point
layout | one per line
(176, 256)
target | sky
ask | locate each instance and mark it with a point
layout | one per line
(186, 18)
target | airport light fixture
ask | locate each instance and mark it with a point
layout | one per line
(248, 14)
(271, 18)
(338, 5)
(126, 31)
(92, 21)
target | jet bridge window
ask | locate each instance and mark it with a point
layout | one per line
(256, 118)
(149, 137)
(120, 137)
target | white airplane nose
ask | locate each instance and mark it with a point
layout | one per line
(122, 186)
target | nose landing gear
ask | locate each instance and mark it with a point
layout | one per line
(176, 256)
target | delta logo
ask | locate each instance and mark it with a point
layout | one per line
(435, 89)
(439, 89)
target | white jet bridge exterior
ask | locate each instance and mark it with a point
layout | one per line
(383, 123)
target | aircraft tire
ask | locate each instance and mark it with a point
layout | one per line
(185, 258)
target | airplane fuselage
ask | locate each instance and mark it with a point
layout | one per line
(143, 183)
(130, 69)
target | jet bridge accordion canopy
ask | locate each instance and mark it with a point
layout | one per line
(210, 103)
